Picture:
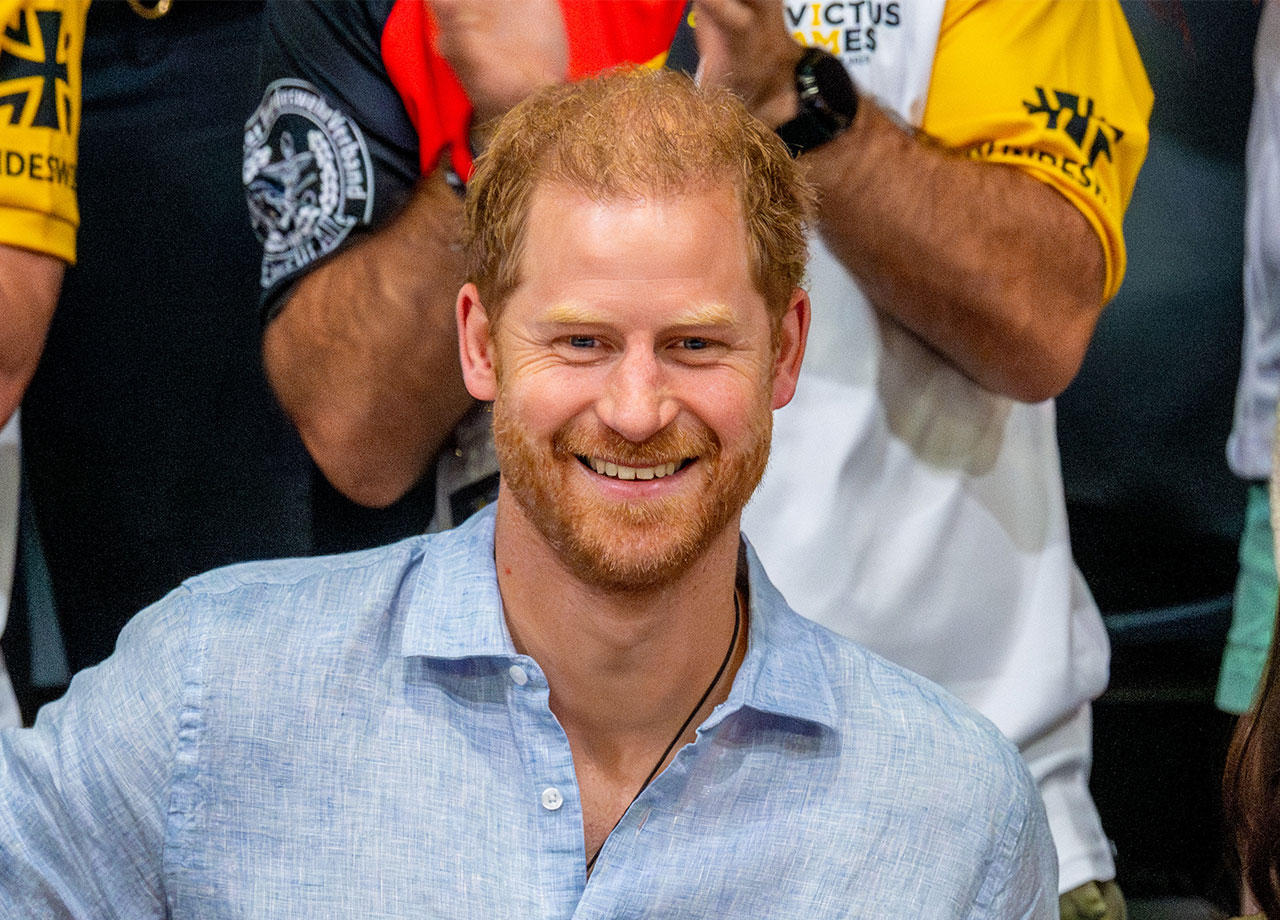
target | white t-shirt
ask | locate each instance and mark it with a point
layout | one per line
(9, 476)
(915, 512)
(1249, 447)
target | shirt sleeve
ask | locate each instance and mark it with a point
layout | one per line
(40, 52)
(1056, 89)
(358, 105)
(84, 794)
(1022, 879)
(331, 152)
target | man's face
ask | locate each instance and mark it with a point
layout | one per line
(635, 378)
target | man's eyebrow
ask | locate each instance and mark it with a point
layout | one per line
(711, 314)
(570, 314)
(574, 314)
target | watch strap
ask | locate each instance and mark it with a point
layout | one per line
(827, 102)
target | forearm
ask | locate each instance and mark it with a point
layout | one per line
(29, 287)
(364, 355)
(992, 268)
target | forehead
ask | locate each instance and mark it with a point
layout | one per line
(690, 246)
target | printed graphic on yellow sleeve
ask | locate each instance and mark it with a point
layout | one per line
(40, 50)
(1056, 89)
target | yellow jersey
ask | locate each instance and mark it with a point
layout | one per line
(40, 51)
(1004, 91)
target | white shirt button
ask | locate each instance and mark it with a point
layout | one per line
(518, 674)
(551, 798)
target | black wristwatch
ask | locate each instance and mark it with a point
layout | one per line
(828, 102)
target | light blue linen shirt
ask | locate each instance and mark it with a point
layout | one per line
(356, 736)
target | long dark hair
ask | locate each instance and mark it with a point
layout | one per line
(1251, 791)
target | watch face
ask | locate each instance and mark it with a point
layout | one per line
(835, 94)
(828, 102)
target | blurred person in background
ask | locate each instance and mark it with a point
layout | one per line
(1250, 679)
(1250, 447)
(40, 75)
(153, 448)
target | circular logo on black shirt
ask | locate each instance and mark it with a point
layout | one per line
(307, 176)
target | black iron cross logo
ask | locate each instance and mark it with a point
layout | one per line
(1076, 125)
(33, 75)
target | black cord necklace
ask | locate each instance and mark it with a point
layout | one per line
(728, 655)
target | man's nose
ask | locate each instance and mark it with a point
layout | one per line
(636, 402)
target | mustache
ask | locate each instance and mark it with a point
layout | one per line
(678, 441)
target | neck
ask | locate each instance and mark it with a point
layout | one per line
(625, 667)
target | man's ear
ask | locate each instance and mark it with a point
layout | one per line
(792, 336)
(475, 345)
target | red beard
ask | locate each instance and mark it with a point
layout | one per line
(629, 545)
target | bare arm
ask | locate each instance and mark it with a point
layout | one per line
(29, 286)
(995, 270)
(364, 354)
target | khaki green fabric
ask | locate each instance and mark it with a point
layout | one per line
(1254, 611)
(1093, 901)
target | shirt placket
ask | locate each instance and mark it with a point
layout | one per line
(550, 789)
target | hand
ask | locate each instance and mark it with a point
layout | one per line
(501, 50)
(744, 45)
(1093, 901)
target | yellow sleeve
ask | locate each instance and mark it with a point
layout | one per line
(40, 50)
(1053, 87)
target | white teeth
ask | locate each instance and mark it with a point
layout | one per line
(616, 471)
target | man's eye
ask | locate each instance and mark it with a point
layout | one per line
(581, 341)
(693, 343)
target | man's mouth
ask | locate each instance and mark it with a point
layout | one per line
(619, 471)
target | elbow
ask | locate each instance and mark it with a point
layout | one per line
(363, 479)
(363, 458)
(1044, 357)
(342, 428)
(362, 461)
(368, 462)
(1041, 378)
(1051, 301)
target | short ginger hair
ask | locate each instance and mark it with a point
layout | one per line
(631, 134)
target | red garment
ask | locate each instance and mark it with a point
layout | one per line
(601, 34)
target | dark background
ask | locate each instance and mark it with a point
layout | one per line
(1155, 512)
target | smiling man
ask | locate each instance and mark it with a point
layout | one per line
(586, 701)
(638, 374)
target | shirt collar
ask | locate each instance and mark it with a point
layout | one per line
(456, 612)
(784, 672)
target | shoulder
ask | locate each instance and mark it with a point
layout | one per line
(821, 675)
(890, 711)
(886, 743)
(343, 21)
(44, 40)
(942, 765)
(291, 574)
(310, 601)
(916, 732)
